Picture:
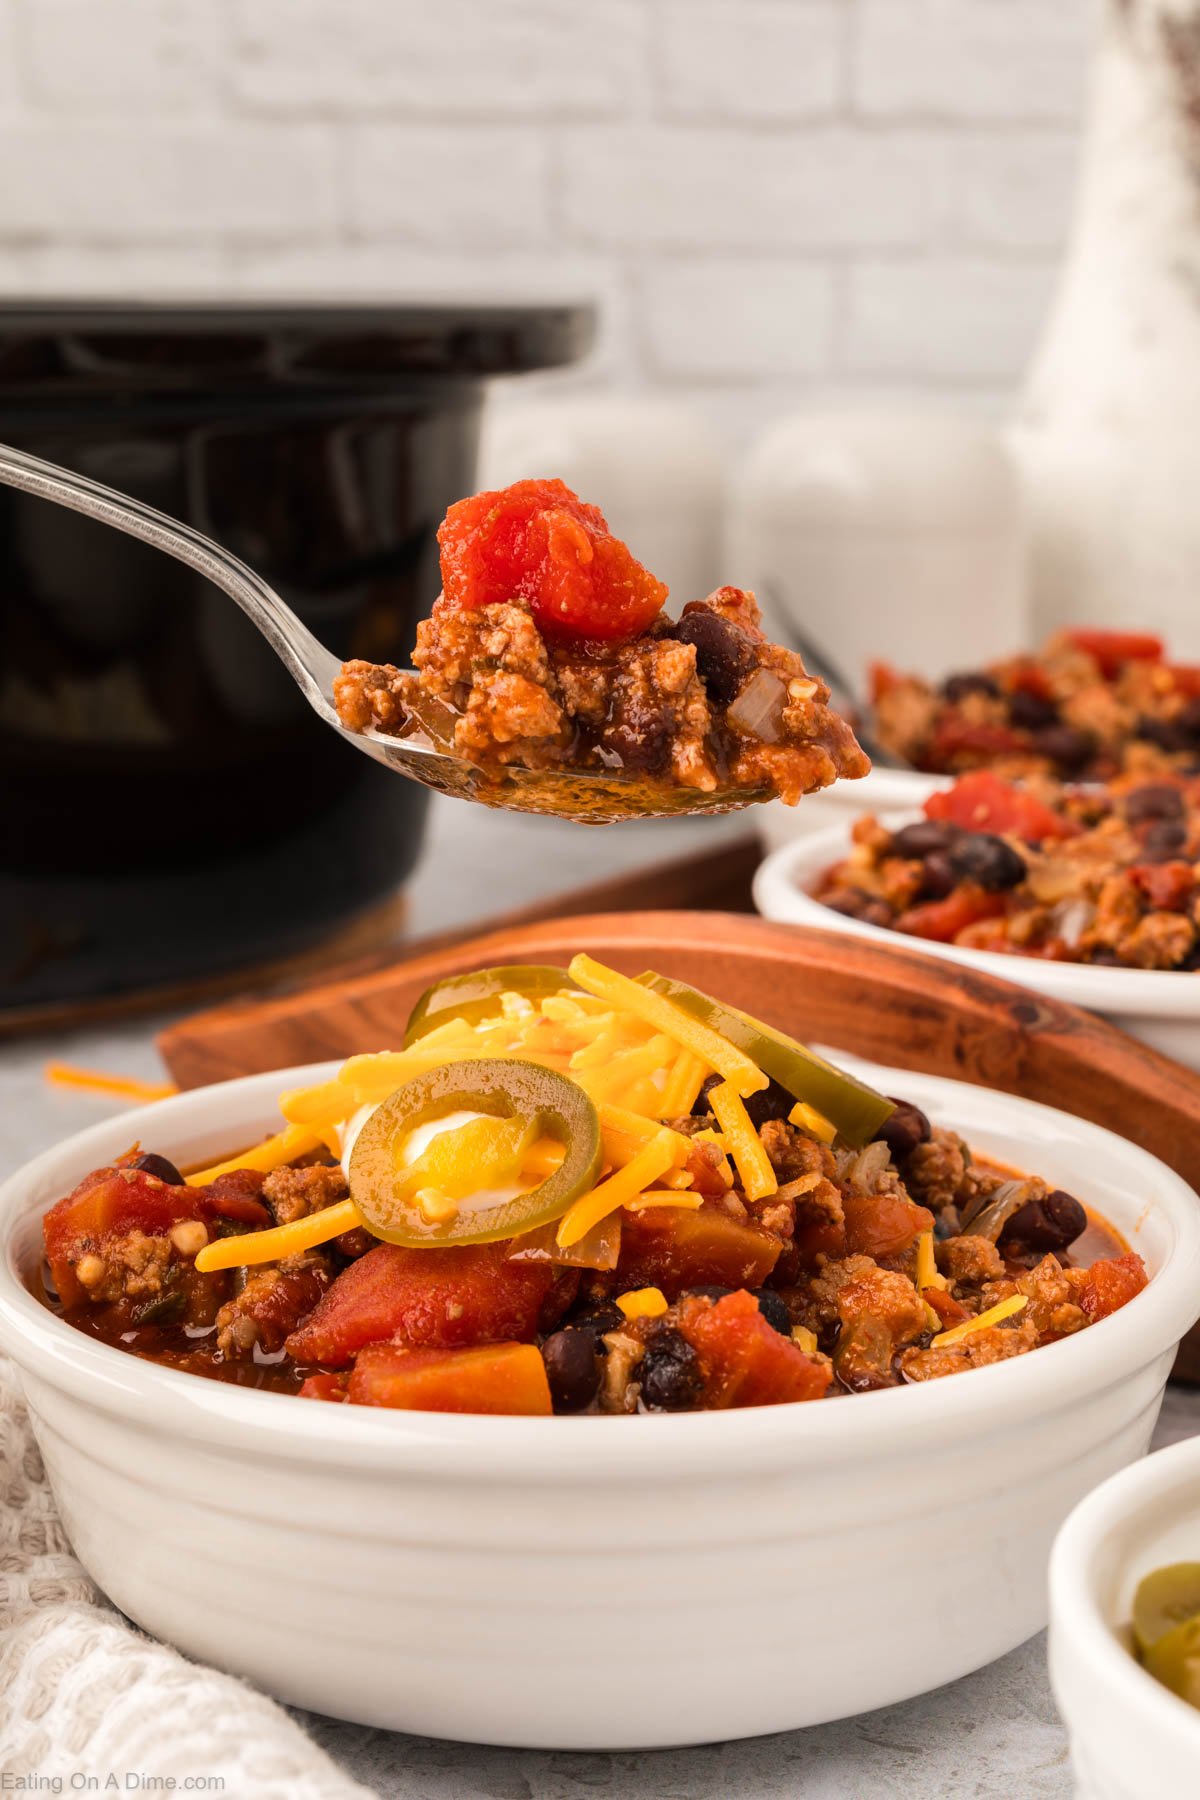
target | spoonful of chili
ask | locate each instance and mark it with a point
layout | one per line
(619, 726)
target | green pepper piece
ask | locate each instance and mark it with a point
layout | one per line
(1175, 1660)
(475, 995)
(550, 1104)
(1165, 1598)
(857, 1110)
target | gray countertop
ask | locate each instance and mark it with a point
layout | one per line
(992, 1736)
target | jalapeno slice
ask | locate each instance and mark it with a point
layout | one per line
(1174, 1659)
(474, 995)
(857, 1110)
(545, 1103)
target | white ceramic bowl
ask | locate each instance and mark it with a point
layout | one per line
(1131, 1739)
(596, 1582)
(1162, 1007)
(883, 790)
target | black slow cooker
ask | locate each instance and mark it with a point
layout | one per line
(172, 809)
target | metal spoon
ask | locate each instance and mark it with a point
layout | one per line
(599, 797)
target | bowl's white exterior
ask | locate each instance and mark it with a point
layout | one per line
(1162, 1007)
(1131, 1739)
(596, 1582)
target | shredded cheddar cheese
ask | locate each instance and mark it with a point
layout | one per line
(733, 1065)
(995, 1315)
(121, 1087)
(284, 1147)
(753, 1163)
(654, 1197)
(280, 1240)
(806, 1339)
(815, 1123)
(651, 1161)
(927, 1275)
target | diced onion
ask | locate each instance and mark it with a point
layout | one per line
(757, 711)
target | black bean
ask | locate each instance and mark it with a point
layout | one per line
(725, 655)
(1153, 800)
(1187, 722)
(771, 1102)
(1163, 732)
(939, 876)
(1164, 840)
(1048, 1224)
(1032, 712)
(597, 1320)
(921, 838)
(904, 1129)
(572, 1369)
(670, 1372)
(150, 1164)
(854, 904)
(957, 687)
(988, 860)
(773, 1310)
(1070, 749)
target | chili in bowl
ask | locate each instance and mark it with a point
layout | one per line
(409, 1568)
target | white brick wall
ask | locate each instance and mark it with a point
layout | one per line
(771, 198)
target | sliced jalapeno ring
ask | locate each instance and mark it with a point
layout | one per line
(1165, 1598)
(474, 995)
(857, 1110)
(548, 1104)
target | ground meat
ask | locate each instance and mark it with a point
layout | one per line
(1053, 1309)
(969, 1261)
(370, 696)
(996, 1343)
(134, 1267)
(936, 1171)
(890, 1297)
(272, 1304)
(295, 1193)
(792, 1154)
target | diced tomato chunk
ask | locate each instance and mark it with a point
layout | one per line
(110, 1203)
(323, 1387)
(745, 1361)
(1113, 649)
(1186, 679)
(425, 1299)
(497, 1378)
(883, 1224)
(947, 1308)
(672, 1249)
(1167, 886)
(981, 801)
(1112, 1284)
(882, 678)
(1029, 678)
(817, 1235)
(537, 541)
(942, 920)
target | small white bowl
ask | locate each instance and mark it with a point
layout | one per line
(1160, 1006)
(1131, 1738)
(596, 1583)
(883, 790)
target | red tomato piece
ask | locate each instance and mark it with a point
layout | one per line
(1186, 678)
(1113, 649)
(745, 1361)
(883, 1224)
(1167, 886)
(882, 677)
(675, 1249)
(1028, 678)
(942, 920)
(498, 1378)
(425, 1299)
(1112, 1284)
(537, 541)
(817, 1235)
(947, 1308)
(323, 1387)
(110, 1203)
(981, 801)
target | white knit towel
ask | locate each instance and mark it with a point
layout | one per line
(84, 1694)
